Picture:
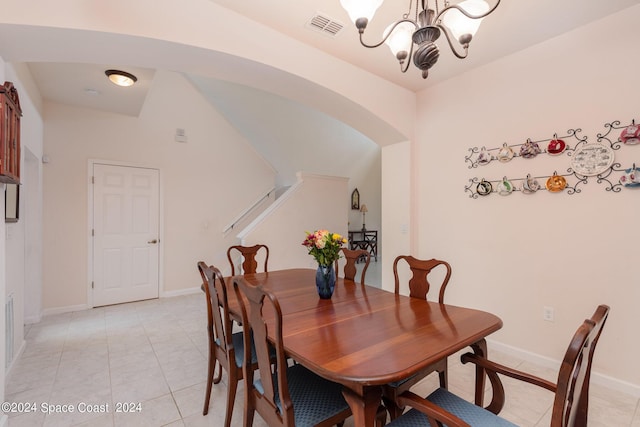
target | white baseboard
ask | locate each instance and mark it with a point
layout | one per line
(32, 320)
(181, 292)
(62, 310)
(596, 378)
(16, 356)
(81, 307)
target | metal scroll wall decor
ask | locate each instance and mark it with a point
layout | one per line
(587, 161)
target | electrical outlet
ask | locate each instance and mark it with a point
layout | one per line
(547, 313)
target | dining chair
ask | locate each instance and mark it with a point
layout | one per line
(250, 256)
(290, 394)
(570, 405)
(419, 287)
(225, 347)
(351, 257)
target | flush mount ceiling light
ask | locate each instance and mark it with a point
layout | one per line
(420, 28)
(121, 78)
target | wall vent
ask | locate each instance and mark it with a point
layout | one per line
(325, 25)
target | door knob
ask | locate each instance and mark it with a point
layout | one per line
(154, 241)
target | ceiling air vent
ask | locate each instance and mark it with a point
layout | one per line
(325, 25)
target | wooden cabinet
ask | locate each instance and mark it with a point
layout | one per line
(10, 114)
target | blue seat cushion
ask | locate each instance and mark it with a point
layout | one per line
(238, 345)
(314, 398)
(468, 412)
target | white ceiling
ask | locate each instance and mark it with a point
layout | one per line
(515, 25)
(86, 85)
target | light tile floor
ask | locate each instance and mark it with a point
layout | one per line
(154, 353)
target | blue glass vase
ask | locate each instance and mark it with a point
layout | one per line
(325, 281)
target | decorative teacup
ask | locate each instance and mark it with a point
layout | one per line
(631, 134)
(631, 177)
(556, 146)
(556, 183)
(530, 185)
(529, 149)
(484, 156)
(505, 187)
(484, 187)
(505, 154)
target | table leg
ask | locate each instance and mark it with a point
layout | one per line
(480, 348)
(364, 407)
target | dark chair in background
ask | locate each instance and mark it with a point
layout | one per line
(249, 258)
(570, 406)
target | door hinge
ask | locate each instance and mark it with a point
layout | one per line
(91, 285)
(93, 232)
(93, 179)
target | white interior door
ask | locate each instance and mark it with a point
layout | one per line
(126, 240)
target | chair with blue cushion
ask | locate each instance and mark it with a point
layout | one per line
(286, 396)
(570, 406)
(225, 347)
(419, 287)
(351, 257)
(250, 256)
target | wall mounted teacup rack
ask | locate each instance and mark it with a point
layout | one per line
(557, 145)
(555, 183)
(587, 160)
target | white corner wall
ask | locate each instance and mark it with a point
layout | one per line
(513, 255)
(396, 207)
(313, 203)
(20, 243)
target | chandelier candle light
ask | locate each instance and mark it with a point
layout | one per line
(422, 27)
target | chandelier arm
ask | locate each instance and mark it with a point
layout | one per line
(464, 12)
(371, 46)
(407, 61)
(452, 46)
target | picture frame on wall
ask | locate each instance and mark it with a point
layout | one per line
(355, 200)
(11, 202)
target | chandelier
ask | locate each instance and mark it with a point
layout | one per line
(421, 26)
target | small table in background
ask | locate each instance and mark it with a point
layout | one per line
(364, 239)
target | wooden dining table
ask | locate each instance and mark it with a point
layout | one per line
(365, 337)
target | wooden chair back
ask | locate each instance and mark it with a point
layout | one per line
(220, 335)
(249, 258)
(419, 284)
(571, 402)
(570, 406)
(351, 257)
(218, 319)
(273, 402)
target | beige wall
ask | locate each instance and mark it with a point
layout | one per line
(308, 206)
(513, 255)
(201, 190)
